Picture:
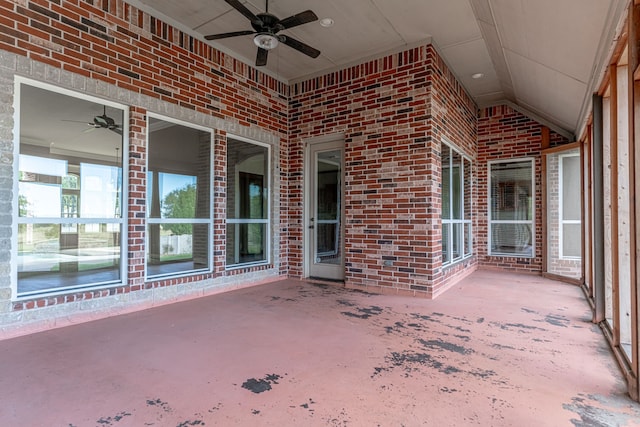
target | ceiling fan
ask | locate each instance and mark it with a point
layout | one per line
(101, 122)
(266, 27)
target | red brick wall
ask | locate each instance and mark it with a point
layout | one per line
(393, 112)
(113, 42)
(504, 133)
(454, 118)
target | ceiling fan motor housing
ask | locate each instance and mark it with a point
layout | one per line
(267, 23)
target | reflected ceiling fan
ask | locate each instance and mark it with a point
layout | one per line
(101, 122)
(266, 27)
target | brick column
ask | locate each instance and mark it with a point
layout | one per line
(136, 197)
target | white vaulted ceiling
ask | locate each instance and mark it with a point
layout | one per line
(542, 56)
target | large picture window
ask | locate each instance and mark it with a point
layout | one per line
(456, 205)
(69, 201)
(247, 203)
(178, 199)
(511, 208)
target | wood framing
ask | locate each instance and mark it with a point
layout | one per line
(613, 191)
(599, 285)
(545, 217)
(588, 150)
(634, 166)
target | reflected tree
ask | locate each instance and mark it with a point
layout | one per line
(180, 203)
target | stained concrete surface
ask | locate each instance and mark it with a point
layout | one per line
(496, 350)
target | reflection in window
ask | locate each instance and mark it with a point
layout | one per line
(69, 190)
(247, 203)
(570, 205)
(511, 208)
(327, 216)
(178, 199)
(456, 205)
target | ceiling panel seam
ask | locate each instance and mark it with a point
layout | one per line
(493, 43)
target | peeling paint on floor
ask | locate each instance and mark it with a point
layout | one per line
(293, 353)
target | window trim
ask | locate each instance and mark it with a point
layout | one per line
(208, 221)
(266, 221)
(466, 223)
(490, 221)
(15, 220)
(561, 221)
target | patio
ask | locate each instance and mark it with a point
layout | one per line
(498, 349)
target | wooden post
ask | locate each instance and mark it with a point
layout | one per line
(546, 140)
(599, 314)
(613, 191)
(634, 166)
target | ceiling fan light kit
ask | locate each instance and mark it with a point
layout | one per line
(266, 41)
(266, 26)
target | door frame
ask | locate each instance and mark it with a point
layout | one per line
(338, 139)
(545, 217)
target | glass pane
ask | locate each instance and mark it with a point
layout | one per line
(327, 239)
(100, 191)
(251, 196)
(37, 200)
(467, 189)
(445, 243)
(511, 239)
(456, 247)
(511, 191)
(468, 245)
(70, 167)
(571, 243)
(176, 195)
(179, 174)
(177, 248)
(571, 188)
(446, 181)
(247, 180)
(456, 184)
(328, 200)
(246, 243)
(51, 259)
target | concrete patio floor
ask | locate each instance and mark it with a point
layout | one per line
(496, 350)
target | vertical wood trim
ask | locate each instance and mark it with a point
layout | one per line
(613, 191)
(546, 139)
(582, 215)
(599, 298)
(634, 167)
(589, 159)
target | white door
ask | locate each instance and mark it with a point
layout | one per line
(324, 249)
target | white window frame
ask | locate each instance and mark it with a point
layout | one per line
(561, 221)
(266, 221)
(16, 220)
(207, 221)
(531, 222)
(466, 223)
